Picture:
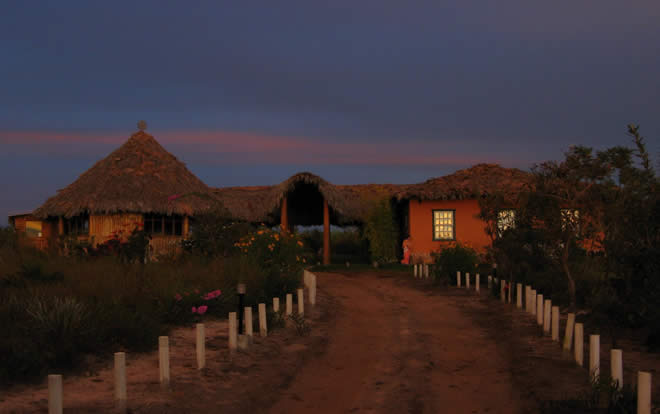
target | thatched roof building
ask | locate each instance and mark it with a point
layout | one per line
(477, 181)
(140, 176)
(349, 203)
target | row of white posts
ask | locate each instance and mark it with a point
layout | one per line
(55, 400)
(547, 317)
(421, 270)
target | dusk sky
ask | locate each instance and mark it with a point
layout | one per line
(249, 93)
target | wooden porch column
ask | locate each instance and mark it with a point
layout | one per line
(284, 216)
(60, 226)
(326, 233)
(186, 226)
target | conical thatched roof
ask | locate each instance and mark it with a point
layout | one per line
(476, 181)
(139, 177)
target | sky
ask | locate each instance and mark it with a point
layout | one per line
(359, 91)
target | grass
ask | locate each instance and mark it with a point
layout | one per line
(58, 309)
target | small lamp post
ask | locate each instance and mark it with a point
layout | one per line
(240, 290)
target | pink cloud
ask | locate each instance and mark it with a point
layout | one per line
(228, 147)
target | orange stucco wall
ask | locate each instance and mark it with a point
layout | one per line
(469, 228)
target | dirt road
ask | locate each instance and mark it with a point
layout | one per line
(395, 349)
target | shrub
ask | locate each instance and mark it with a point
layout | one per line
(451, 259)
(382, 232)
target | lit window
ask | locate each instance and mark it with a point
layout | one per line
(443, 225)
(506, 219)
(33, 228)
(570, 219)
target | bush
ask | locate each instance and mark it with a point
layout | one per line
(451, 259)
(382, 232)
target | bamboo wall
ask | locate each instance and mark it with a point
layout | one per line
(48, 232)
(101, 228)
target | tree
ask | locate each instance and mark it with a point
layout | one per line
(382, 233)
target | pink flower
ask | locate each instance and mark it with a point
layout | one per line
(173, 197)
(202, 309)
(178, 297)
(194, 309)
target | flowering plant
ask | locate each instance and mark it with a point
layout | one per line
(191, 300)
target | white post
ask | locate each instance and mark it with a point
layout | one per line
(276, 304)
(289, 304)
(249, 331)
(467, 280)
(502, 285)
(533, 301)
(547, 307)
(539, 309)
(579, 344)
(164, 360)
(120, 381)
(519, 295)
(594, 356)
(527, 298)
(233, 332)
(490, 282)
(415, 270)
(263, 329)
(476, 283)
(616, 367)
(555, 323)
(55, 394)
(301, 303)
(568, 333)
(426, 271)
(458, 278)
(643, 392)
(200, 345)
(312, 289)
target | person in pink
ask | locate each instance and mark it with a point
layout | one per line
(407, 247)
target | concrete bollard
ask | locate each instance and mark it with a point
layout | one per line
(555, 323)
(490, 282)
(568, 333)
(427, 271)
(458, 279)
(289, 304)
(594, 356)
(301, 303)
(233, 332)
(312, 290)
(532, 300)
(643, 392)
(527, 298)
(539, 309)
(579, 344)
(467, 281)
(616, 367)
(200, 345)
(164, 360)
(276, 304)
(502, 286)
(120, 381)
(519, 295)
(249, 328)
(263, 329)
(476, 283)
(547, 308)
(55, 394)
(415, 271)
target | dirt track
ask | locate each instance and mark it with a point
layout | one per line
(395, 349)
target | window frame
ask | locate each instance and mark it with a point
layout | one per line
(453, 225)
(168, 225)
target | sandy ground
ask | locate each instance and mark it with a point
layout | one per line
(380, 343)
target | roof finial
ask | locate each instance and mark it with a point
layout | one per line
(142, 125)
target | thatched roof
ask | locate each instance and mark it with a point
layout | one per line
(349, 203)
(140, 177)
(477, 181)
(352, 203)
